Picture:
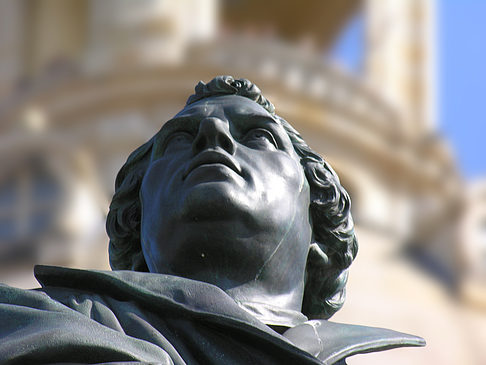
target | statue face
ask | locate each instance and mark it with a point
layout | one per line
(225, 199)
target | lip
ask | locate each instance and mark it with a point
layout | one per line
(212, 157)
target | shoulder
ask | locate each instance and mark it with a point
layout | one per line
(331, 342)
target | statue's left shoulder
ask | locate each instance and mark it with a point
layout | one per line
(333, 342)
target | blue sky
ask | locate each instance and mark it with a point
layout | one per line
(461, 75)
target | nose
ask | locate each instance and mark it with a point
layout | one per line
(212, 133)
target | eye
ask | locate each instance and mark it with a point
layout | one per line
(260, 138)
(177, 141)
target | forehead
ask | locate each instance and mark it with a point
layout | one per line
(228, 104)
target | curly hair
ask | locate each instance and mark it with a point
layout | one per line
(333, 247)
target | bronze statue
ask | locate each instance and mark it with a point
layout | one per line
(227, 234)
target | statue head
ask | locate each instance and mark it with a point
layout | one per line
(228, 192)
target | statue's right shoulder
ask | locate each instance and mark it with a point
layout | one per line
(64, 324)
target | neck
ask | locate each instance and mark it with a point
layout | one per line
(270, 307)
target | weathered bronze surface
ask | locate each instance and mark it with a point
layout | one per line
(227, 234)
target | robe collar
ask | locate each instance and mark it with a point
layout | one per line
(328, 341)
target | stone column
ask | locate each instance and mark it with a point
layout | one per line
(400, 58)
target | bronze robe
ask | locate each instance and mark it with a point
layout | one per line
(86, 316)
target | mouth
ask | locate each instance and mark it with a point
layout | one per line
(212, 158)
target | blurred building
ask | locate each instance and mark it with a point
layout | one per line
(84, 82)
(473, 235)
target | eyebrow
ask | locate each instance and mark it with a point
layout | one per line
(171, 126)
(241, 114)
(187, 123)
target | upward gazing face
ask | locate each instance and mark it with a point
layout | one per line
(225, 199)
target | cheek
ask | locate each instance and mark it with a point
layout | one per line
(161, 180)
(286, 174)
(283, 180)
(287, 196)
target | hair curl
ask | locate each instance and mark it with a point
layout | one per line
(333, 247)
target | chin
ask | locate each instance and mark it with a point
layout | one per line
(214, 201)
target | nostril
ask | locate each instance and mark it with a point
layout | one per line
(200, 144)
(226, 144)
